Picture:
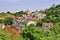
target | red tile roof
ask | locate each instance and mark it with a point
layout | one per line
(35, 19)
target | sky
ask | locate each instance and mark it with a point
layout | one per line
(32, 5)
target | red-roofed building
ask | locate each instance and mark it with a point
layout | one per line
(35, 19)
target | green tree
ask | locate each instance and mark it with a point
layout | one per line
(8, 20)
(32, 33)
(53, 14)
(39, 23)
(19, 13)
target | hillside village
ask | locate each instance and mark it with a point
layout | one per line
(37, 25)
(25, 19)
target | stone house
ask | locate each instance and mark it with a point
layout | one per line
(47, 26)
(27, 12)
(20, 22)
(38, 14)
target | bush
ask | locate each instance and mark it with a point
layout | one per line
(5, 36)
(32, 33)
(8, 20)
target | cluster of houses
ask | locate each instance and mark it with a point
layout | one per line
(26, 19)
(29, 18)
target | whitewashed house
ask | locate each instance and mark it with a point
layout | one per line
(38, 14)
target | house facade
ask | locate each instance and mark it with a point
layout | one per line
(47, 26)
(38, 14)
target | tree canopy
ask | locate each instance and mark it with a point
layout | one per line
(53, 14)
(8, 21)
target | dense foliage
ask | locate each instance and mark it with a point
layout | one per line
(8, 21)
(39, 23)
(31, 32)
(1, 21)
(53, 14)
(19, 13)
(3, 35)
(6, 36)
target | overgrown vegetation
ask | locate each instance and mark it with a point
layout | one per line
(32, 33)
(53, 14)
(6, 36)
